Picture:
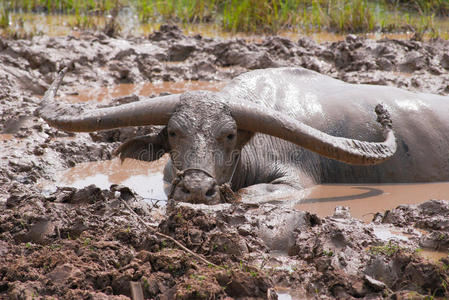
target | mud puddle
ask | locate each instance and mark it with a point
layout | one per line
(105, 94)
(367, 199)
(5, 136)
(144, 178)
(431, 255)
(387, 233)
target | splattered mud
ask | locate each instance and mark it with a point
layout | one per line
(83, 243)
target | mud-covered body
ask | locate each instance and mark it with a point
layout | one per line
(420, 122)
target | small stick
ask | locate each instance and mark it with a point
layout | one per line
(179, 244)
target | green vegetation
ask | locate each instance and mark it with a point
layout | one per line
(197, 277)
(388, 249)
(4, 17)
(86, 242)
(55, 247)
(437, 7)
(254, 16)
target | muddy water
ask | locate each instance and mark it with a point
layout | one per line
(433, 255)
(367, 199)
(145, 178)
(386, 233)
(5, 136)
(145, 89)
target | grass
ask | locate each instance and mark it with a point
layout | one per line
(388, 249)
(253, 16)
(4, 17)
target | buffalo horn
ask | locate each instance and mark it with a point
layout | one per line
(252, 117)
(153, 111)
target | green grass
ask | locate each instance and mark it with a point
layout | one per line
(253, 16)
(388, 249)
(437, 7)
(4, 17)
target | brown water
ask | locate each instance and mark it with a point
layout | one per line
(145, 178)
(144, 89)
(433, 255)
(365, 200)
(5, 136)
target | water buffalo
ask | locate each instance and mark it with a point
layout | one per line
(270, 133)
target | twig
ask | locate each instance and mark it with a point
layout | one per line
(179, 244)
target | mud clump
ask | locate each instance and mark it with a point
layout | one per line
(71, 243)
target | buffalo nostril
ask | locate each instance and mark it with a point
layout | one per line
(210, 192)
(185, 191)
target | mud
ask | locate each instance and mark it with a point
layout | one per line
(83, 243)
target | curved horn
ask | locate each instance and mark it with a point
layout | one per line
(256, 118)
(153, 111)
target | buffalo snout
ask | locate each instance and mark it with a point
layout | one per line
(197, 187)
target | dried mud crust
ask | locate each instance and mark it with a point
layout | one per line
(85, 244)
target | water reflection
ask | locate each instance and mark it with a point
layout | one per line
(284, 293)
(372, 192)
(387, 233)
(145, 178)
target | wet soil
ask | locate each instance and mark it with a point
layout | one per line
(84, 243)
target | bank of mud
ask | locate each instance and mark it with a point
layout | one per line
(84, 243)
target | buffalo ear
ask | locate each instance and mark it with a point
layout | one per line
(146, 147)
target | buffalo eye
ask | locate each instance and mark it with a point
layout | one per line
(172, 134)
(230, 136)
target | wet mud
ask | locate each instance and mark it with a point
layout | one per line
(83, 242)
